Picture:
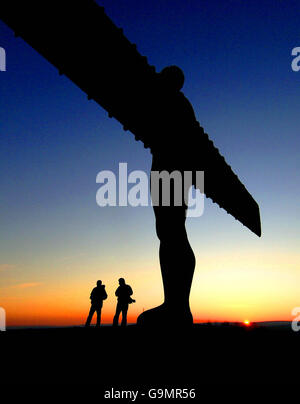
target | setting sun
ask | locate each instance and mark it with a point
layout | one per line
(247, 322)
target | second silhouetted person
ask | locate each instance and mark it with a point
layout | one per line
(123, 294)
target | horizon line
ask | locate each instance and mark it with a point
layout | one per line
(131, 324)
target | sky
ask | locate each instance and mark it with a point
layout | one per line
(55, 241)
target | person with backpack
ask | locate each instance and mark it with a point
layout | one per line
(123, 294)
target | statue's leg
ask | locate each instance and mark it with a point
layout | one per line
(177, 263)
(176, 256)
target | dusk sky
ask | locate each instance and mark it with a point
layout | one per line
(55, 241)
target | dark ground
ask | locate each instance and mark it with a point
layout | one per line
(133, 357)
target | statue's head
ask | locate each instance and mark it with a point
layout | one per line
(172, 77)
(99, 283)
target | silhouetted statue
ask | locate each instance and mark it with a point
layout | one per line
(97, 296)
(123, 294)
(177, 259)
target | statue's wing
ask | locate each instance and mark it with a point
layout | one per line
(222, 185)
(79, 39)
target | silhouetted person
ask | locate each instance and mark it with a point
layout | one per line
(98, 294)
(123, 294)
(176, 256)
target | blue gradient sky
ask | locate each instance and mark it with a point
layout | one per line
(236, 56)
